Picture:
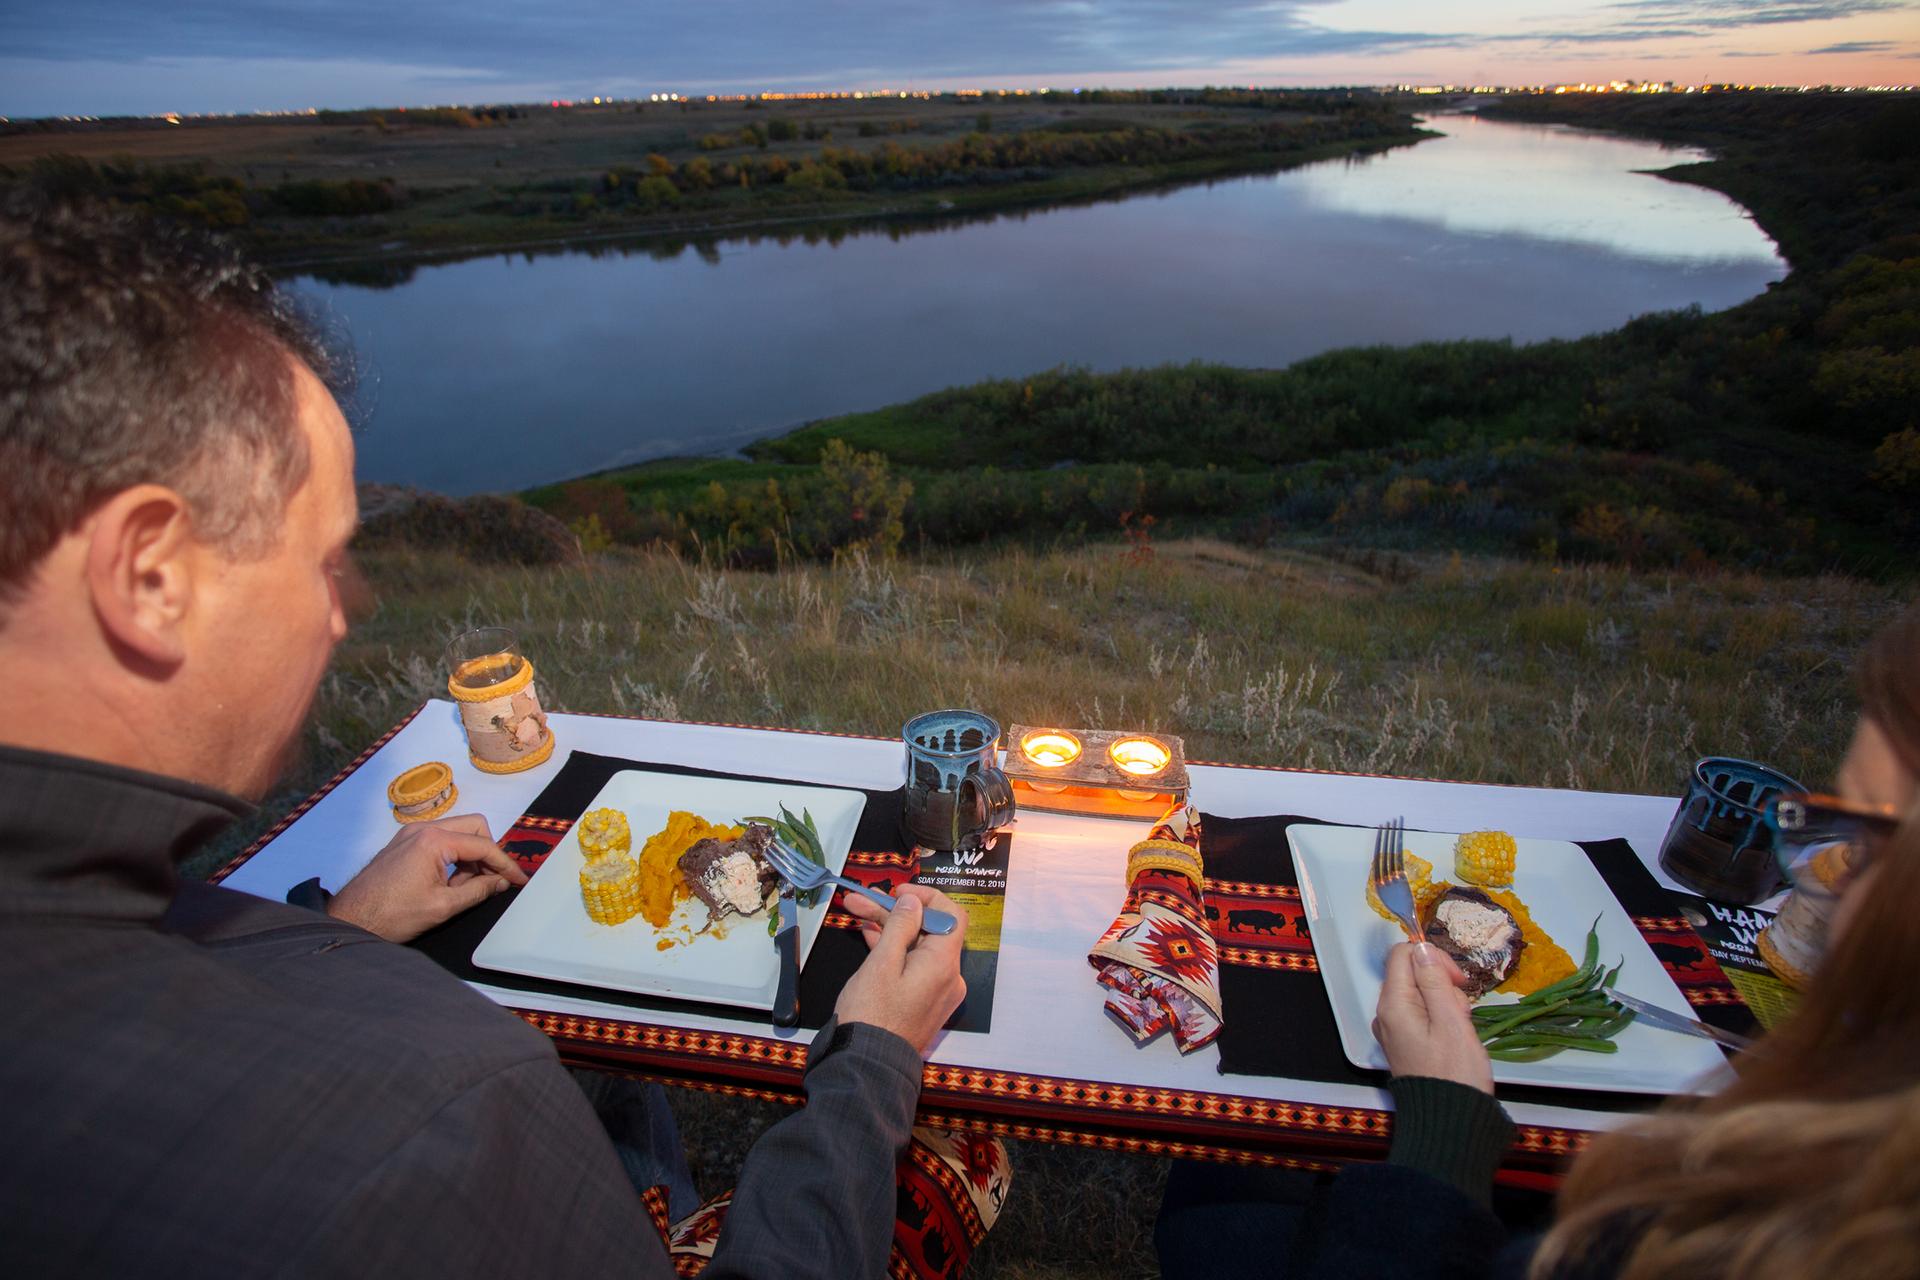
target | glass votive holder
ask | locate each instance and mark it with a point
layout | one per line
(1049, 749)
(492, 681)
(1140, 756)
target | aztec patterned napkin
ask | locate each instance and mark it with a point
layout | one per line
(1158, 962)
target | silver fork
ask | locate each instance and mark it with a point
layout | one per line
(1389, 874)
(804, 873)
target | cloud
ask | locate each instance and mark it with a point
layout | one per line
(584, 47)
(74, 55)
(1731, 14)
(1856, 46)
(743, 40)
(1640, 21)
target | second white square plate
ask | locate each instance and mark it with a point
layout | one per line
(1563, 893)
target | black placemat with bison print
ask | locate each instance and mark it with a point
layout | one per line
(880, 857)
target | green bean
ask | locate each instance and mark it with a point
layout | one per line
(800, 840)
(1516, 1016)
(1620, 1022)
(1533, 1050)
(806, 841)
(1579, 1005)
(1569, 1014)
(792, 835)
(1592, 1044)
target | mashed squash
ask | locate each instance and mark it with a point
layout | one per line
(1543, 963)
(662, 887)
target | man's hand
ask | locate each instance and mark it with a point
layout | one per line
(429, 873)
(910, 984)
(1423, 1021)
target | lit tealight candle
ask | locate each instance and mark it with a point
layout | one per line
(1050, 749)
(1139, 756)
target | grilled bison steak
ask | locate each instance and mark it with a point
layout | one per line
(730, 875)
(1479, 934)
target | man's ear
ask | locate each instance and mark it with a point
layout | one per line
(139, 569)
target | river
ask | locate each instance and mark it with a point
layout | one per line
(505, 371)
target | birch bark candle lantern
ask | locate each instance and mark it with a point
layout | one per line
(492, 681)
(1098, 773)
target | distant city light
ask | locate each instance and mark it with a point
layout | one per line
(966, 94)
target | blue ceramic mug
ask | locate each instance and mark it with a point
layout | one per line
(1718, 844)
(955, 792)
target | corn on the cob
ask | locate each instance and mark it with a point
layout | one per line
(603, 832)
(610, 888)
(1485, 858)
(1419, 880)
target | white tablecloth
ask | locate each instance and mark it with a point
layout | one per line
(1066, 881)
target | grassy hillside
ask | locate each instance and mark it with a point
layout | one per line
(1467, 668)
(1778, 435)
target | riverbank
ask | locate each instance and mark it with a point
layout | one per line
(348, 190)
(1681, 439)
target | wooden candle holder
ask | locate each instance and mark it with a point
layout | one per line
(1049, 776)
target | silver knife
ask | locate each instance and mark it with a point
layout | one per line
(786, 944)
(1671, 1021)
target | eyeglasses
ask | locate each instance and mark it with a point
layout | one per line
(1821, 842)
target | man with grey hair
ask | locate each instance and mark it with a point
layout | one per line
(200, 1082)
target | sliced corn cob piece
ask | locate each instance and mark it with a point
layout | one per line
(1485, 858)
(602, 832)
(1419, 880)
(610, 888)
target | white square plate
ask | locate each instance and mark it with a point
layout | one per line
(546, 932)
(1563, 893)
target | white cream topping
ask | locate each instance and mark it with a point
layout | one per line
(1478, 929)
(735, 880)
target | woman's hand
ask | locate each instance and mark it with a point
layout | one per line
(1423, 1021)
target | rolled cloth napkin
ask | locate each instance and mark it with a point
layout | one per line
(1158, 961)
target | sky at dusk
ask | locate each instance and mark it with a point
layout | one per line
(113, 57)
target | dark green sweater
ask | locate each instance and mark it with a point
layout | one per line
(1448, 1131)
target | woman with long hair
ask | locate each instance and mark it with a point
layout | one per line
(1807, 1165)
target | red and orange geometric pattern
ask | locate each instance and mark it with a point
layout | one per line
(1157, 960)
(949, 1189)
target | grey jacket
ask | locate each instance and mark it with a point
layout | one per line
(195, 1082)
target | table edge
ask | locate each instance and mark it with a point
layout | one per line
(1161, 1120)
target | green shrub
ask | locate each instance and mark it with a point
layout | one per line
(656, 192)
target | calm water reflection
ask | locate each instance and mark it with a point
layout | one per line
(501, 372)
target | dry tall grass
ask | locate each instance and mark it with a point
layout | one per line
(1482, 670)
(1522, 673)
